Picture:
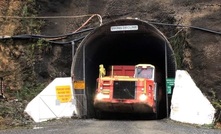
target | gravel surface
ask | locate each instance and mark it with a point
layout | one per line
(92, 126)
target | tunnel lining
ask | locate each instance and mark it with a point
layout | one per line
(91, 53)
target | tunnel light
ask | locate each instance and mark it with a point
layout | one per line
(143, 97)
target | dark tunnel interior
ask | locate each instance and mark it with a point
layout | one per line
(122, 48)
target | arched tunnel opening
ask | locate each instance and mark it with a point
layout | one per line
(132, 42)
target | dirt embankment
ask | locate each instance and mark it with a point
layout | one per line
(198, 51)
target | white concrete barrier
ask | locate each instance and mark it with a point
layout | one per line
(188, 104)
(55, 101)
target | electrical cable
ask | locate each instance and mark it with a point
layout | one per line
(99, 17)
(44, 36)
(193, 27)
(84, 24)
(89, 29)
(45, 17)
(57, 37)
(25, 36)
(68, 42)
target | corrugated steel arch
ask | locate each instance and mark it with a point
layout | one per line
(102, 46)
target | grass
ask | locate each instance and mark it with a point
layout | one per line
(217, 104)
(12, 111)
(178, 42)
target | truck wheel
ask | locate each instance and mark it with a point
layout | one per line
(98, 114)
(156, 115)
(157, 101)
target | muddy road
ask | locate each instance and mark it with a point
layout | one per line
(93, 126)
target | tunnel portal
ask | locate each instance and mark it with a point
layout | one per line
(121, 42)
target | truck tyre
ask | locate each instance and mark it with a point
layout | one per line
(98, 114)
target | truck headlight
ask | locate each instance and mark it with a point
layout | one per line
(99, 96)
(143, 97)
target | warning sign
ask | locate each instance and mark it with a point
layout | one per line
(170, 85)
(79, 85)
(63, 93)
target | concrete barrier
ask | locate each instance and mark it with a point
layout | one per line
(188, 104)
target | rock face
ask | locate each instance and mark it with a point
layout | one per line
(198, 51)
(201, 50)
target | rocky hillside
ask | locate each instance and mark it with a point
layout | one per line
(26, 63)
(200, 50)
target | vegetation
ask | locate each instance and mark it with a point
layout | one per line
(30, 25)
(12, 109)
(21, 84)
(178, 43)
(217, 104)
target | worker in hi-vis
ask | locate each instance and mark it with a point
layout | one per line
(102, 71)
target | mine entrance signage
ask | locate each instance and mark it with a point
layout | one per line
(169, 85)
(124, 28)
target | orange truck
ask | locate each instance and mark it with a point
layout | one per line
(127, 89)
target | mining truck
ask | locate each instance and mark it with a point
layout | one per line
(127, 89)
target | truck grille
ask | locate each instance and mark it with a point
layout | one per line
(124, 90)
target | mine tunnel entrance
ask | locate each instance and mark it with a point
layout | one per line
(121, 42)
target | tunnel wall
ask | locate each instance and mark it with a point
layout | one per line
(127, 47)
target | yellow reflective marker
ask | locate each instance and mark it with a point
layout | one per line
(63, 93)
(79, 85)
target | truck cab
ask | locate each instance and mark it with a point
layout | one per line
(145, 71)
